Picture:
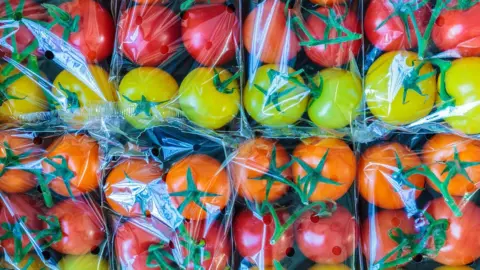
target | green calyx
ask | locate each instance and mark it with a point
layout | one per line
(53, 231)
(10, 159)
(62, 18)
(143, 105)
(158, 256)
(222, 87)
(444, 66)
(277, 265)
(413, 78)
(462, 4)
(61, 171)
(73, 102)
(192, 194)
(458, 167)
(4, 95)
(416, 243)
(43, 182)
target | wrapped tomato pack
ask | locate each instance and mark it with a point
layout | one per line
(179, 63)
(54, 62)
(419, 202)
(50, 207)
(420, 67)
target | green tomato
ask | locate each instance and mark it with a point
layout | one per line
(88, 261)
(276, 97)
(335, 103)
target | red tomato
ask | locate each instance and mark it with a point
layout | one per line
(12, 209)
(335, 54)
(252, 236)
(210, 33)
(327, 240)
(267, 35)
(149, 35)
(392, 35)
(463, 241)
(376, 241)
(96, 31)
(82, 226)
(458, 30)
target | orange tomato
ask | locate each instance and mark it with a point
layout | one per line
(339, 166)
(207, 193)
(17, 151)
(443, 148)
(253, 160)
(380, 180)
(74, 160)
(136, 172)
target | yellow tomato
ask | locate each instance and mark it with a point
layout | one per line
(386, 96)
(147, 97)
(83, 262)
(78, 103)
(210, 97)
(33, 262)
(329, 267)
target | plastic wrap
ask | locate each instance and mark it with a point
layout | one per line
(419, 203)
(301, 66)
(420, 67)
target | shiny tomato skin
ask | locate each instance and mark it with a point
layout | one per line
(454, 268)
(252, 235)
(441, 148)
(88, 261)
(139, 171)
(253, 160)
(392, 35)
(333, 55)
(83, 155)
(266, 35)
(210, 33)
(375, 169)
(458, 31)
(96, 33)
(329, 267)
(340, 166)
(462, 245)
(150, 35)
(14, 207)
(327, 240)
(376, 241)
(82, 226)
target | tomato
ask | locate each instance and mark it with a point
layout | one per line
(443, 148)
(253, 160)
(454, 268)
(329, 267)
(210, 33)
(338, 101)
(327, 2)
(463, 86)
(267, 36)
(392, 35)
(96, 32)
(275, 101)
(21, 97)
(386, 95)
(339, 167)
(33, 262)
(252, 236)
(462, 245)
(456, 30)
(73, 161)
(210, 100)
(17, 153)
(147, 96)
(205, 183)
(150, 35)
(88, 261)
(381, 179)
(124, 181)
(81, 224)
(375, 234)
(13, 208)
(79, 103)
(333, 55)
(327, 240)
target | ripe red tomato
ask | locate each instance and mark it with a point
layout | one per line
(12, 209)
(458, 30)
(96, 31)
(252, 235)
(392, 35)
(210, 33)
(375, 234)
(334, 54)
(81, 224)
(462, 245)
(149, 35)
(266, 34)
(327, 240)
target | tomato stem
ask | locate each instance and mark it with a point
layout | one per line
(157, 253)
(62, 18)
(61, 171)
(186, 4)
(16, 231)
(413, 78)
(11, 160)
(4, 95)
(222, 87)
(444, 66)
(144, 105)
(53, 231)
(72, 101)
